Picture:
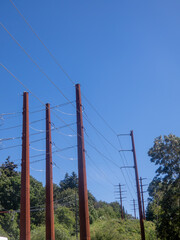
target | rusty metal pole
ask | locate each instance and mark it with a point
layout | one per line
(138, 188)
(134, 208)
(50, 233)
(25, 178)
(83, 195)
(142, 197)
(122, 217)
(76, 214)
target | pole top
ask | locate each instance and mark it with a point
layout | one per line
(77, 85)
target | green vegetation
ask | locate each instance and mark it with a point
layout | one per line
(162, 212)
(127, 229)
(164, 190)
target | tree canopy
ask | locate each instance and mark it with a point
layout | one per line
(164, 190)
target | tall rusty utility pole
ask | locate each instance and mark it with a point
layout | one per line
(138, 188)
(76, 214)
(83, 195)
(120, 192)
(142, 197)
(50, 234)
(25, 179)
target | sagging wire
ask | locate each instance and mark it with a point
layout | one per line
(100, 170)
(37, 130)
(69, 114)
(62, 149)
(37, 170)
(37, 140)
(67, 158)
(11, 147)
(92, 145)
(39, 150)
(64, 134)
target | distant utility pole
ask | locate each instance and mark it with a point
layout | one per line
(122, 217)
(25, 179)
(134, 205)
(142, 197)
(138, 188)
(50, 234)
(83, 195)
(120, 192)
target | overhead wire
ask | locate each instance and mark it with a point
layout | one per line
(67, 75)
(125, 180)
(100, 170)
(54, 85)
(59, 65)
(66, 158)
(34, 62)
(126, 168)
(60, 118)
(49, 79)
(10, 147)
(59, 90)
(92, 145)
(61, 69)
(5, 129)
(103, 157)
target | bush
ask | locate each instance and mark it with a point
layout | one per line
(65, 217)
(60, 233)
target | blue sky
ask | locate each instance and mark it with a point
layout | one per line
(125, 55)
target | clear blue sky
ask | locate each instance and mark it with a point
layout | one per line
(126, 56)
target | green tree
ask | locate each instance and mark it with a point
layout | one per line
(66, 217)
(10, 181)
(10, 224)
(69, 182)
(164, 190)
(37, 201)
(10, 187)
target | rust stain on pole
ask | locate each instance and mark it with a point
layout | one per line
(138, 188)
(83, 195)
(50, 233)
(25, 178)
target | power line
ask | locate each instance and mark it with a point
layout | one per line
(100, 170)
(49, 79)
(11, 147)
(20, 125)
(43, 44)
(21, 83)
(5, 129)
(34, 62)
(67, 75)
(92, 145)
(60, 66)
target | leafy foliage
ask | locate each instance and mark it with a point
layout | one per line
(69, 182)
(65, 217)
(164, 190)
(104, 217)
(60, 233)
(10, 181)
(37, 200)
(9, 224)
(113, 229)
